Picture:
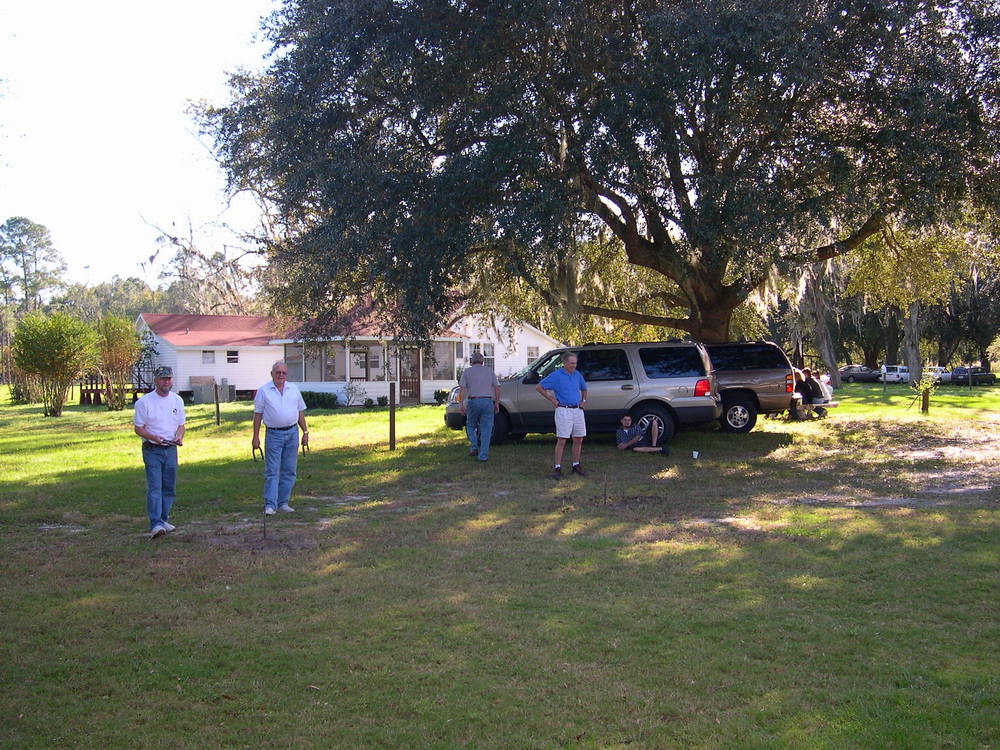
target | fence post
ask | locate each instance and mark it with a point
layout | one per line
(392, 416)
(218, 420)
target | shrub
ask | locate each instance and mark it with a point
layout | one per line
(369, 403)
(118, 350)
(317, 400)
(383, 401)
(441, 395)
(56, 349)
(353, 394)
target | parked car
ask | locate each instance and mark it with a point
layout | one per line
(754, 377)
(942, 374)
(979, 376)
(859, 374)
(894, 374)
(670, 382)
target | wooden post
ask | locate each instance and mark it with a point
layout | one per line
(218, 419)
(925, 401)
(392, 416)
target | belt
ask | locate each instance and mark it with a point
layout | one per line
(282, 429)
(147, 444)
(569, 406)
(472, 397)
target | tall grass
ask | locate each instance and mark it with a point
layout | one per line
(830, 584)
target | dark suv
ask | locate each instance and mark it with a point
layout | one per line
(978, 375)
(669, 382)
(754, 377)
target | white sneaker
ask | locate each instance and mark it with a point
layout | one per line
(157, 532)
(169, 527)
(286, 509)
(268, 511)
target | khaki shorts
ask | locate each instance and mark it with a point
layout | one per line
(570, 423)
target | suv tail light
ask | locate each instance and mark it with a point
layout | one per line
(702, 388)
(789, 383)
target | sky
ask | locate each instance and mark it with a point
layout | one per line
(95, 140)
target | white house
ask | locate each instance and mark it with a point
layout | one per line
(507, 347)
(203, 350)
(239, 351)
(365, 363)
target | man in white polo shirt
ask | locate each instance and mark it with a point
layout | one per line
(159, 420)
(279, 406)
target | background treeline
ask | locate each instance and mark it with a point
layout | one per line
(904, 297)
(69, 328)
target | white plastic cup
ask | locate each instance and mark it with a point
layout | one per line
(694, 454)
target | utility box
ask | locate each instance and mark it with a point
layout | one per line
(205, 394)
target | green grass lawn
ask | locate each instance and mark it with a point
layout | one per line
(828, 584)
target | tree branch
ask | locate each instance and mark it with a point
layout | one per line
(875, 224)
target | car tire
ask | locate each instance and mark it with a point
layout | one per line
(850, 379)
(739, 414)
(642, 415)
(501, 428)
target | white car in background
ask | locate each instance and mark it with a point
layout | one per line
(943, 374)
(895, 374)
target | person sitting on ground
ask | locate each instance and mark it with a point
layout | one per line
(804, 408)
(816, 389)
(635, 438)
(826, 393)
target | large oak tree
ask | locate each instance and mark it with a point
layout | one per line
(410, 146)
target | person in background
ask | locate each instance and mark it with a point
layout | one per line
(816, 389)
(633, 437)
(570, 397)
(279, 406)
(159, 420)
(479, 401)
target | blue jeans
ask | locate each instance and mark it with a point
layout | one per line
(281, 454)
(479, 424)
(161, 477)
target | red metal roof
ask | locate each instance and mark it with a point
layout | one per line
(212, 330)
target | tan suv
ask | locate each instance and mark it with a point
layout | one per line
(669, 382)
(754, 377)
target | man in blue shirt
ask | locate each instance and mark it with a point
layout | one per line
(570, 391)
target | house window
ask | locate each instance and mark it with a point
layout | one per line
(487, 350)
(314, 364)
(367, 363)
(293, 362)
(335, 367)
(208, 358)
(232, 357)
(440, 365)
(532, 354)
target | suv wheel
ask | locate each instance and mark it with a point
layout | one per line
(643, 415)
(738, 414)
(501, 428)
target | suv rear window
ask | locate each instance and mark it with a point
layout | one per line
(671, 362)
(747, 357)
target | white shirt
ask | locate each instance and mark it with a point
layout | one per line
(278, 409)
(160, 415)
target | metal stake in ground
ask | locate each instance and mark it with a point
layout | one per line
(253, 453)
